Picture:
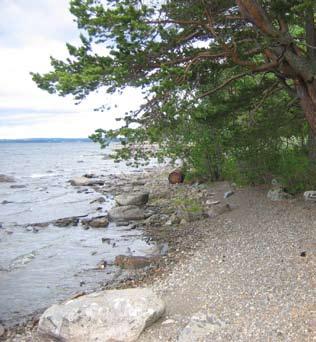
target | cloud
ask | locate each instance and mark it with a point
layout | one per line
(30, 32)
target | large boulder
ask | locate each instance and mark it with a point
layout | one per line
(6, 179)
(85, 181)
(138, 199)
(126, 213)
(115, 315)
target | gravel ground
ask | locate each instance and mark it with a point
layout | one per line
(254, 275)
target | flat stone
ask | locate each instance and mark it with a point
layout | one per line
(96, 222)
(66, 222)
(20, 186)
(84, 181)
(137, 199)
(113, 315)
(126, 213)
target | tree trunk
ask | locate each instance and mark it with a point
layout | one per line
(311, 147)
(307, 104)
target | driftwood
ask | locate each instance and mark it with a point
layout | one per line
(176, 177)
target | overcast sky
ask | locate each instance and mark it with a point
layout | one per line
(31, 31)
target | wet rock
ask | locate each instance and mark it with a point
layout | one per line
(6, 202)
(98, 200)
(200, 327)
(310, 196)
(84, 181)
(106, 240)
(90, 175)
(6, 179)
(115, 315)
(21, 186)
(40, 224)
(137, 199)
(102, 265)
(218, 210)
(278, 194)
(134, 262)
(126, 213)
(66, 222)
(96, 222)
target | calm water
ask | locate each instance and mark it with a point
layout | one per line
(39, 268)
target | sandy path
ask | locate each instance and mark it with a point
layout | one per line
(249, 276)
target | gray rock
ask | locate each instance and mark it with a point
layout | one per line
(6, 202)
(21, 186)
(310, 196)
(66, 222)
(200, 327)
(115, 315)
(6, 179)
(84, 181)
(132, 199)
(98, 200)
(218, 210)
(96, 222)
(278, 194)
(126, 213)
(228, 194)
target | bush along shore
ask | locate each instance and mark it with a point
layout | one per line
(216, 247)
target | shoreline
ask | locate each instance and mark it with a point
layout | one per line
(226, 240)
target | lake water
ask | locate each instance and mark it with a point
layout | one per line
(41, 267)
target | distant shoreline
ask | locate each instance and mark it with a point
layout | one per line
(45, 140)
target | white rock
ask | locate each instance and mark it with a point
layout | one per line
(114, 315)
(84, 181)
(132, 199)
(310, 195)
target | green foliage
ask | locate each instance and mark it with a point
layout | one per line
(210, 99)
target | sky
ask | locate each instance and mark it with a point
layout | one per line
(30, 32)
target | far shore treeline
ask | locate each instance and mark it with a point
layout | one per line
(230, 85)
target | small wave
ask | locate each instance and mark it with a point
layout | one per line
(44, 175)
